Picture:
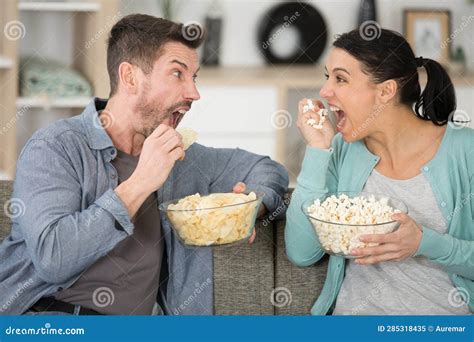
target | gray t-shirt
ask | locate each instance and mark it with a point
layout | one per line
(125, 281)
(415, 286)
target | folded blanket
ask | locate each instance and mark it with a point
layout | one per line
(47, 77)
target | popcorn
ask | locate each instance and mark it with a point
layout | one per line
(322, 112)
(346, 219)
(309, 106)
(213, 219)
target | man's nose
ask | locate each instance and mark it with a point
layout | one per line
(192, 93)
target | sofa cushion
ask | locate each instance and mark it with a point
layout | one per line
(6, 188)
(296, 288)
(244, 276)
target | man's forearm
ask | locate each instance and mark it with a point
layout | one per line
(132, 194)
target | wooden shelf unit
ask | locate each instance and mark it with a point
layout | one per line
(53, 102)
(54, 6)
(8, 87)
(92, 22)
(5, 62)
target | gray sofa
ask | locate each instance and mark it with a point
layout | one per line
(246, 276)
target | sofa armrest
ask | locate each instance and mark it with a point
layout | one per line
(299, 286)
(244, 275)
(6, 188)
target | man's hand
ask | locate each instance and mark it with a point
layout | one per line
(159, 153)
(240, 188)
(397, 246)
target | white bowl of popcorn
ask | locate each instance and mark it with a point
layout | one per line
(213, 220)
(339, 219)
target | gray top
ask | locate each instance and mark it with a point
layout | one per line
(73, 216)
(124, 282)
(415, 286)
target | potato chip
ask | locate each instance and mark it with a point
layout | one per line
(189, 136)
(213, 219)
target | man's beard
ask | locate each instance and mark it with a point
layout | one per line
(152, 115)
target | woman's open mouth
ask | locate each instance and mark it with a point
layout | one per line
(340, 116)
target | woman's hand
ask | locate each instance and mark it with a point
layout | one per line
(319, 138)
(397, 246)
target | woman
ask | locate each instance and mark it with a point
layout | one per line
(392, 139)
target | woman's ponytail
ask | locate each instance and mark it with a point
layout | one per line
(390, 57)
(437, 102)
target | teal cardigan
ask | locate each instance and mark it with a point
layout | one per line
(346, 167)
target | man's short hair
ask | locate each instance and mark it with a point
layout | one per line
(139, 38)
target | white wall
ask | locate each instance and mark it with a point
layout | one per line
(241, 19)
(48, 34)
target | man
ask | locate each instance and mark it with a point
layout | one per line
(91, 240)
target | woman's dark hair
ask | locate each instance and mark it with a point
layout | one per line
(389, 56)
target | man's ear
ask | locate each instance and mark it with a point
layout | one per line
(387, 91)
(128, 78)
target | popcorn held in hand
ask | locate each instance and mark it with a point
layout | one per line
(322, 118)
(340, 221)
(322, 112)
(309, 106)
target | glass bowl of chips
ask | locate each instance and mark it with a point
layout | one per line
(213, 220)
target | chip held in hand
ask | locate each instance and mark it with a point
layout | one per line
(189, 136)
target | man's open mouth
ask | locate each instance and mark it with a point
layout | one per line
(176, 117)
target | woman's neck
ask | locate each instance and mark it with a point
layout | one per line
(403, 139)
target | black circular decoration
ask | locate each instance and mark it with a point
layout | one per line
(303, 20)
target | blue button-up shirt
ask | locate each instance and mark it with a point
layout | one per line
(72, 216)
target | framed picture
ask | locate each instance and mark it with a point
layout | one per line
(428, 33)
